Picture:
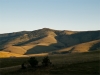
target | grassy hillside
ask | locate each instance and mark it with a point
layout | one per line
(48, 40)
(83, 47)
(4, 54)
(77, 63)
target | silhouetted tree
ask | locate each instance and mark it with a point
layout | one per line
(46, 61)
(33, 61)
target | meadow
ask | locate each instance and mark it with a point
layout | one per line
(76, 63)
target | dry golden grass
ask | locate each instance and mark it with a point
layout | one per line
(84, 47)
(15, 49)
(41, 54)
(19, 49)
(4, 54)
(44, 41)
(43, 45)
(9, 54)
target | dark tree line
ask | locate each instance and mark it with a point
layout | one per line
(33, 62)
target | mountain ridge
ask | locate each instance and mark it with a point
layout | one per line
(45, 40)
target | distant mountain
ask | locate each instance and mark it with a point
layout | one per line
(50, 41)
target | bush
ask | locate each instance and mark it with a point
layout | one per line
(46, 61)
(23, 66)
(33, 61)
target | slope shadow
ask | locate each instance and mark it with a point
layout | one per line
(26, 42)
(95, 47)
(44, 49)
(78, 38)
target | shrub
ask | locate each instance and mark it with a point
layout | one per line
(46, 61)
(33, 61)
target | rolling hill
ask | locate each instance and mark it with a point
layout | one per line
(49, 41)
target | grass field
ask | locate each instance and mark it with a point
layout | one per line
(87, 68)
(77, 63)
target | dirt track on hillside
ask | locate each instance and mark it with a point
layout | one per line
(10, 69)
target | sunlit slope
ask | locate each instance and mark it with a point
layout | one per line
(9, 54)
(44, 45)
(84, 47)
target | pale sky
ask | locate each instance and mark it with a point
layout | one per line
(29, 15)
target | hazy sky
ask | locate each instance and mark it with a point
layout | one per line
(77, 15)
